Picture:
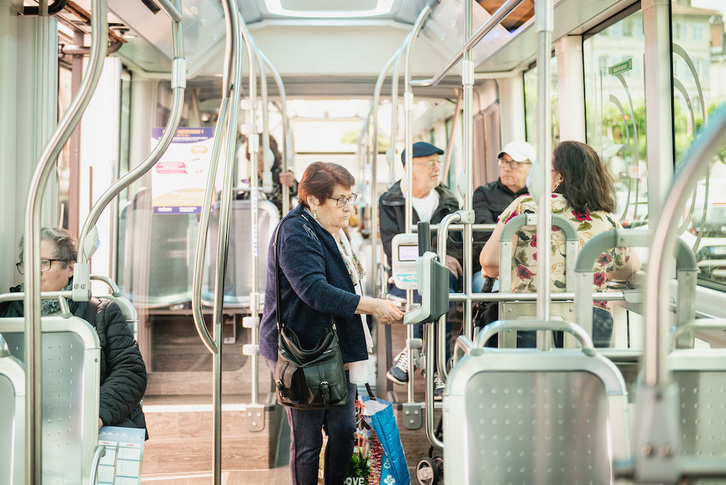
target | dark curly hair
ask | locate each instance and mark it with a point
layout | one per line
(587, 183)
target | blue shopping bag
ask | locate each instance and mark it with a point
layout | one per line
(379, 416)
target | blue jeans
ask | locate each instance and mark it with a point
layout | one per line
(602, 332)
(306, 440)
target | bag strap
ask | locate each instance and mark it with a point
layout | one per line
(278, 308)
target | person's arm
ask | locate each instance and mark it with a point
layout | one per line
(489, 257)
(632, 265)
(125, 382)
(302, 262)
(384, 311)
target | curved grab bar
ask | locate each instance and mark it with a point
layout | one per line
(100, 453)
(441, 324)
(501, 13)
(702, 324)
(178, 84)
(115, 290)
(685, 261)
(285, 125)
(462, 346)
(500, 325)
(31, 245)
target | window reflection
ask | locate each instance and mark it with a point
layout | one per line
(699, 64)
(615, 111)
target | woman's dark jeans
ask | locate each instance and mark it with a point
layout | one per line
(602, 332)
(306, 440)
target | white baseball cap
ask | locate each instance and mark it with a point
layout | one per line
(519, 151)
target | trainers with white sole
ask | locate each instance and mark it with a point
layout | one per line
(399, 372)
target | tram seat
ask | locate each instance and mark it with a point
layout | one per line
(156, 252)
(527, 310)
(238, 277)
(701, 377)
(70, 394)
(531, 416)
(12, 417)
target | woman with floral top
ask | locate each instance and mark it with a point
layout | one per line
(582, 191)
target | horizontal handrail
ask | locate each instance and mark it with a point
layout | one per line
(501, 325)
(501, 13)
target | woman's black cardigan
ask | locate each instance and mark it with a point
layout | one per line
(314, 285)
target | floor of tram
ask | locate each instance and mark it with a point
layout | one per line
(178, 408)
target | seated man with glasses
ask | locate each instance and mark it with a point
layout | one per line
(431, 201)
(123, 372)
(491, 199)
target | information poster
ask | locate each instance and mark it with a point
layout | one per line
(178, 179)
(124, 453)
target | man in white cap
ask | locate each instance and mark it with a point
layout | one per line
(491, 199)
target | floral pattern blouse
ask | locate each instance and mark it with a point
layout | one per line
(588, 225)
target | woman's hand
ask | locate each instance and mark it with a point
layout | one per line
(387, 312)
(286, 178)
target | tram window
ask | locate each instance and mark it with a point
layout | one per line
(615, 111)
(530, 104)
(698, 92)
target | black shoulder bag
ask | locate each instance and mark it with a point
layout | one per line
(307, 379)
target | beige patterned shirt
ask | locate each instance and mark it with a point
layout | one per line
(587, 224)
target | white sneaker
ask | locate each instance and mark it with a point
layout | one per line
(399, 372)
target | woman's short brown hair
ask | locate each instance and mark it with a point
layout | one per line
(319, 180)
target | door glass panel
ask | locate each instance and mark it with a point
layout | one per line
(615, 111)
(699, 67)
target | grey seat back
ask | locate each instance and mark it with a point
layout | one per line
(701, 377)
(12, 417)
(70, 394)
(156, 254)
(238, 277)
(527, 416)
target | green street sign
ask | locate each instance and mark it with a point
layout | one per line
(621, 67)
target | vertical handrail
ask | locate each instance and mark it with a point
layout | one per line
(544, 20)
(31, 244)
(226, 130)
(253, 58)
(285, 123)
(467, 81)
(408, 108)
(374, 170)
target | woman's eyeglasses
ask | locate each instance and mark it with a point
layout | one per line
(342, 200)
(512, 163)
(45, 265)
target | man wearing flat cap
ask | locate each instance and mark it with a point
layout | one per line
(431, 202)
(491, 199)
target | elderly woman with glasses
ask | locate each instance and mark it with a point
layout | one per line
(320, 278)
(583, 191)
(123, 372)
